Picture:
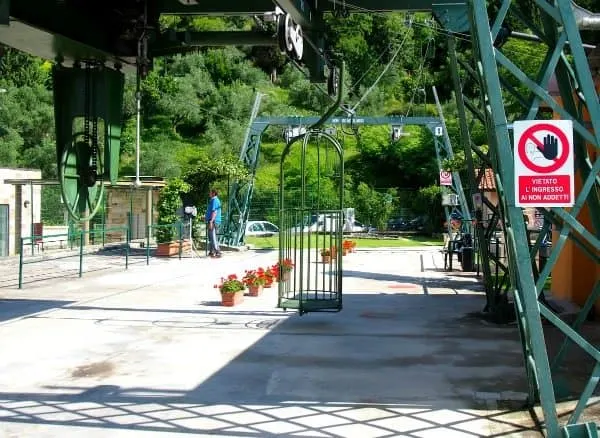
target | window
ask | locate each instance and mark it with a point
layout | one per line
(270, 227)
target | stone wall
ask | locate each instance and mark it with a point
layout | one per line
(23, 205)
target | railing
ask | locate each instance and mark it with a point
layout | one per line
(101, 239)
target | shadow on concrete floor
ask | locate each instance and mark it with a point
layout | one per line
(15, 308)
(389, 365)
(153, 410)
(398, 365)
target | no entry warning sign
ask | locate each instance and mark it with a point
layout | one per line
(543, 153)
(445, 178)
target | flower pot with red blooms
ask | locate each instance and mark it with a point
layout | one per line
(270, 277)
(326, 255)
(230, 299)
(285, 267)
(254, 280)
(232, 290)
(347, 247)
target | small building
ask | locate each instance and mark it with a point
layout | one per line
(487, 186)
(128, 205)
(20, 207)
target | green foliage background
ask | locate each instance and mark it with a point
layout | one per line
(196, 108)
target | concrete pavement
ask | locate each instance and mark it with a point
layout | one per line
(151, 353)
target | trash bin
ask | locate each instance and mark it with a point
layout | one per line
(467, 261)
(544, 253)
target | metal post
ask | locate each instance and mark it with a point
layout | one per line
(138, 123)
(105, 195)
(180, 232)
(148, 231)
(21, 263)
(31, 216)
(127, 251)
(81, 236)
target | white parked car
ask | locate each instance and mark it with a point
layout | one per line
(261, 229)
(326, 223)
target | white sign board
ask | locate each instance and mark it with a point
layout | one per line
(543, 154)
(445, 178)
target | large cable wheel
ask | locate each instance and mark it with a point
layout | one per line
(291, 40)
(80, 178)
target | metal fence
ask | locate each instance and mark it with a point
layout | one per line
(65, 253)
(78, 251)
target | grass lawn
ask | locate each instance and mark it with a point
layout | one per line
(400, 242)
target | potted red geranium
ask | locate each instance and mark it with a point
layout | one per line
(255, 280)
(270, 275)
(232, 290)
(284, 268)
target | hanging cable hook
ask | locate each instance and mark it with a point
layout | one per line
(338, 100)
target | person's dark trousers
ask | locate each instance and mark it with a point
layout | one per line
(213, 241)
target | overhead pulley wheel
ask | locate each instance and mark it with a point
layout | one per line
(88, 114)
(81, 181)
(332, 81)
(291, 40)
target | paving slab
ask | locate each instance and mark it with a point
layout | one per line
(151, 352)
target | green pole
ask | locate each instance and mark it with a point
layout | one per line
(127, 251)
(148, 230)
(31, 215)
(180, 232)
(81, 233)
(21, 264)
(104, 195)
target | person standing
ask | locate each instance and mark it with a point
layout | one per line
(213, 221)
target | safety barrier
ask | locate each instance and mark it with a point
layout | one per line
(98, 242)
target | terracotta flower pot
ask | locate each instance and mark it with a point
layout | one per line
(168, 249)
(231, 299)
(326, 259)
(285, 276)
(254, 291)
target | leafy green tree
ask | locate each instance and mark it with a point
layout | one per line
(428, 203)
(373, 207)
(209, 171)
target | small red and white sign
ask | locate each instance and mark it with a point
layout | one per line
(445, 178)
(543, 153)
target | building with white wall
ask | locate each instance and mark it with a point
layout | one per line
(20, 207)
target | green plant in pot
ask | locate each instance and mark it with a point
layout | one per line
(169, 201)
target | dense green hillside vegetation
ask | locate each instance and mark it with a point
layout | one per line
(196, 108)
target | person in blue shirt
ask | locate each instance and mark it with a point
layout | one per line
(213, 221)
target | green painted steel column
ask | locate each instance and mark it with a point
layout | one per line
(491, 295)
(81, 236)
(148, 231)
(517, 246)
(21, 263)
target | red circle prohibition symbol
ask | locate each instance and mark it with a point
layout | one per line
(529, 135)
(445, 174)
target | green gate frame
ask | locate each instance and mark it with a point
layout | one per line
(313, 286)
